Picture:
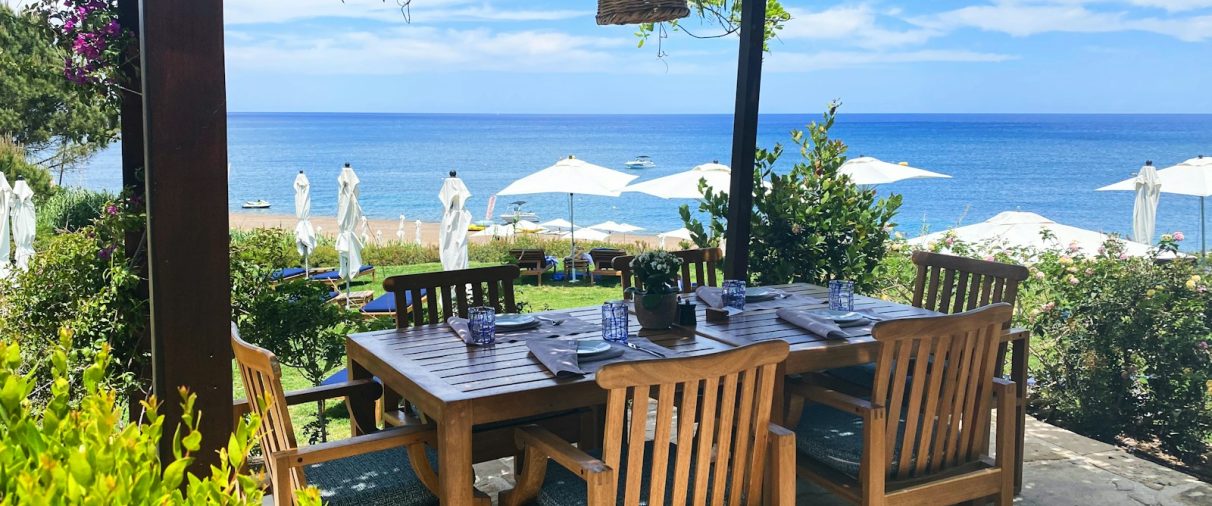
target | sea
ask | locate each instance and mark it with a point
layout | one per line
(1049, 164)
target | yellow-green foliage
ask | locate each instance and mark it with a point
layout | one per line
(87, 453)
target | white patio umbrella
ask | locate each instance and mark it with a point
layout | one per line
(24, 223)
(587, 233)
(1024, 230)
(452, 235)
(305, 235)
(685, 185)
(1192, 177)
(400, 230)
(6, 197)
(349, 215)
(611, 226)
(866, 170)
(680, 234)
(557, 224)
(572, 176)
(496, 231)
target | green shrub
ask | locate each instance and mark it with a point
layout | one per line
(79, 450)
(13, 165)
(273, 248)
(71, 209)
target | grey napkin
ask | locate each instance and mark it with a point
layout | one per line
(558, 355)
(710, 295)
(460, 327)
(823, 327)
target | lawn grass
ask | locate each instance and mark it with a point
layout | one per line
(553, 295)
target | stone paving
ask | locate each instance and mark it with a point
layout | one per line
(1060, 469)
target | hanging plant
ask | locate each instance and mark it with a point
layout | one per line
(723, 17)
(93, 40)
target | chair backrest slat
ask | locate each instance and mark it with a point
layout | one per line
(723, 402)
(262, 379)
(447, 293)
(951, 284)
(698, 268)
(934, 376)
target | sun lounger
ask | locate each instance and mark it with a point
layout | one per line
(334, 276)
(602, 263)
(385, 305)
(286, 274)
(531, 262)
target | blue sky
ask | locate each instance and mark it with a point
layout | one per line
(548, 56)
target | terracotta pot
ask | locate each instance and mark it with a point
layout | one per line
(656, 311)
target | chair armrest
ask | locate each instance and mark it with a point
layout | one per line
(364, 387)
(782, 466)
(571, 457)
(831, 398)
(1015, 333)
(1004, 386)
(357, 445)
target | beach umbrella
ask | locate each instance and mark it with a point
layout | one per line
(571, 176)
(416, 236)
(685, 185)
(400, 230)
(1026, 230)
(349, 215)
(496, 231)
(611, 226)
(452, 235)
(682, 234)
(305, 235)
(557, 224)
(866, 170)
(1192, 177)
(24, 223)
(588, 234)
(6, 197)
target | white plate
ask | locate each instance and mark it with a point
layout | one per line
(511, 321)
(592, 346)
(758, 294)
(840, 316)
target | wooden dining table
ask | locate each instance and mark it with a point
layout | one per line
(460, 387)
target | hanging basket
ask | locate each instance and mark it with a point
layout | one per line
(632, 12)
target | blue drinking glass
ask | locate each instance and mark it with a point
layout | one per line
(734, 293)
(841, 295)
(614, 321)
(482, 321)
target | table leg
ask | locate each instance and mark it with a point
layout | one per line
(361, 411)
(1018, 374)
(455, 476)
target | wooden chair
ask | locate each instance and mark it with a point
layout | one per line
(698, 269)
(531, 262)
(376, 468)
(454, 290)
(950, 284)
(921, 436)
(722, 449)
(603, 262)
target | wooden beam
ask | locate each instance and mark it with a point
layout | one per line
(185, 135)
(744, 137)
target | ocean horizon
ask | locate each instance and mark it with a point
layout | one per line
(1044, 163)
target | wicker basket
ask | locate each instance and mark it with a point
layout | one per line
(631, 12)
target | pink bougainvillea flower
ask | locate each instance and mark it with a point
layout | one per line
(1178, 236)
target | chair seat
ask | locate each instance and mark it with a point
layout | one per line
(335, 275)
(835, 438)
(862, 375)
(382, 477)
(285, 273)
(386, 303)
(562, 487)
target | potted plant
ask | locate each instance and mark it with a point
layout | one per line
(655, 293)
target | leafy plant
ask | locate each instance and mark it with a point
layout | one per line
(724, 14)
(71, 209)
(657, 271)
(13, 164)
(811, 224)
(78, 450)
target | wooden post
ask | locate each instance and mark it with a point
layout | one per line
(185, 136)
(744, 137)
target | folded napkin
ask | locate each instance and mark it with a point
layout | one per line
(558, 355)
(710, 295)
(820, 326)
(460, 327)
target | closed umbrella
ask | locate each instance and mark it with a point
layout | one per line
(1144, 211)
(1027, 230)
(6, 197)
(685, 185)
(364, 226)
(572, 176)
(349, 215)
(400, 230)
(23, 222)
(452, 236)
(416, 235)
(1192, 177)
(867, 170)
(305, 235)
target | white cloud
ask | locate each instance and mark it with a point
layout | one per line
(806, 62)
(413, 49)
(855, 25)
(1026, 18)
(238, 12)
(1174, 5)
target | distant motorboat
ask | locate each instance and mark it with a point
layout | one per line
(256, 204)
(518, 214)
(641, 162)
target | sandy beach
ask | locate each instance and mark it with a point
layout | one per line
(385, 230)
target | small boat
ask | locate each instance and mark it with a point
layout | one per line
(641, 162)
(256, 204)
(517, 214)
